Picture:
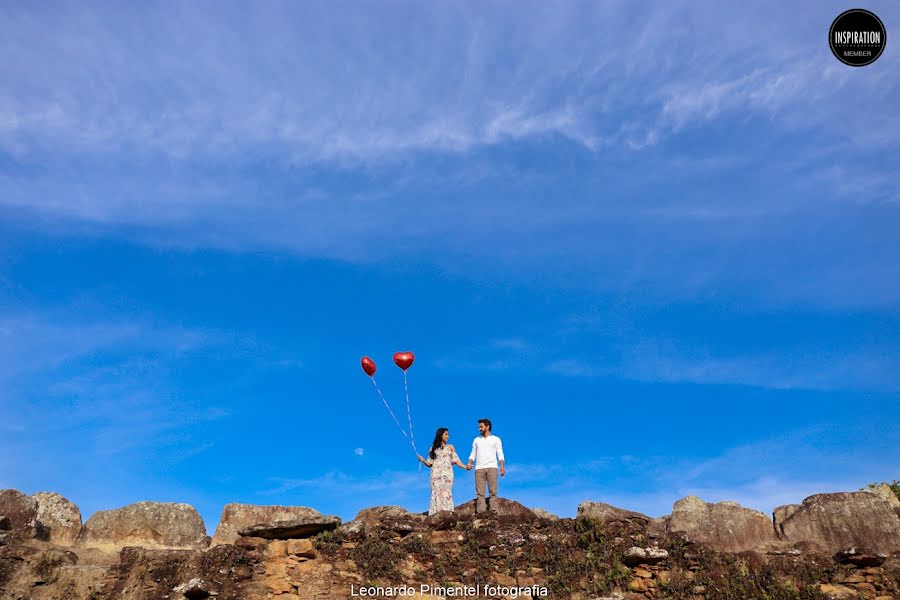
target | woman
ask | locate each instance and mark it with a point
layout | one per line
(442, 458)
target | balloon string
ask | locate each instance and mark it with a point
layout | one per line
(388, 407)
(408, 413)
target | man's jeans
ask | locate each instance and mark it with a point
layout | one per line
(488, 476)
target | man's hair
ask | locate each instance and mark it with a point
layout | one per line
(487, 423)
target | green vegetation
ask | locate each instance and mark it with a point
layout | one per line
(475, 548)
(424, 551)
(590, 558)
(584, 557)
(328, 542)
(418, 545)
(726, 576)
(376, 558)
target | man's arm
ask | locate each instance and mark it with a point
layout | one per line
(501, 458)
(472, 456)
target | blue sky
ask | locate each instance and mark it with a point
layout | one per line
(656, 245)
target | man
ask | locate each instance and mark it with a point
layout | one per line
(487, 449)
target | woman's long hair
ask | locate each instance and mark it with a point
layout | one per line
(438, 442)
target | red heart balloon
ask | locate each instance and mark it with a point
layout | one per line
(404, 360)
(368, 366)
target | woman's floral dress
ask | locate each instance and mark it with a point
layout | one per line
(442, 480)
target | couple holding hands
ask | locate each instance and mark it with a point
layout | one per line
(487, 451)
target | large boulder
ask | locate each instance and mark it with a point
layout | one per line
(658, 527)
(780, 514)
(607, 513)
(59, 520)
(292, 528)
(545, 514)
(725, 526)
(844, 520)
(860, 557)
(442, 520)
(883, 490)
(236, 517)
(503, 506)
(145, 524)
(21, 511)
(386, 518)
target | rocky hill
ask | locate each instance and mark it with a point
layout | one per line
(844, 545)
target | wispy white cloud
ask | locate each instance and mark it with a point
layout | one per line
(32, 341)
(366, 100)
(761, 474)
(620, 352)
(516, 345)
(101, 387)
(339, 481)
(768, 90)
(762, 494)
(495, 355)
(783, 370)
(378, 86)
(345, 494)
(325, 132)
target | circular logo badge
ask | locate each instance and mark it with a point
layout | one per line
(857, 37)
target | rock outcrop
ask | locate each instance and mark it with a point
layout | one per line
(658, 526)
(226, 571)
(544, 513)
(644, 556)
(20, 509)
(884, 491)
(385, 518)
(780, 515)
(291, 528)
(236, 516)
(43, 572)
(860, 557)
(46, 516)
(725, 526)
(607, 513)
(606, 553)
(58, 519)
(843, 520)
(145, 524)
(502, 506)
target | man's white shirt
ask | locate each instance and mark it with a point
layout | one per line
(486, 451)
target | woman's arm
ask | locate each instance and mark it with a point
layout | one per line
(423, 461)
(455, 456)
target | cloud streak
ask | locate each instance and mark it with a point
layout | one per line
(758, 475)
(616, 351)
(109, 380)
(326, 131)
(452, 83)
(782, 371)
